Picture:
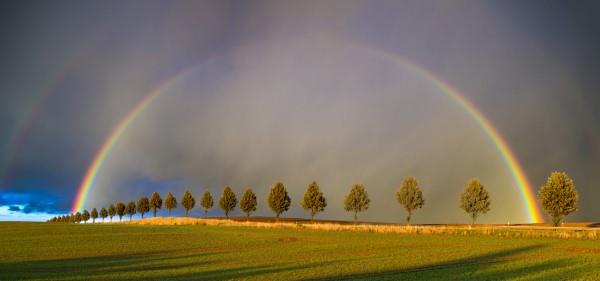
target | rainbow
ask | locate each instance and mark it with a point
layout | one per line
(527, 192)
(520, 179)
(115, 135)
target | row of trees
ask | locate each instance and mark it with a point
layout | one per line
(558, 197)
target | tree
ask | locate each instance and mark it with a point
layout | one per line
(103, 213)
(357, 200)
(279, 200)
(112, 211)
(313, 201)
(559, 196)
(143, 205)
(94, 215)
(121, 210)
(475, 200)
(131, 210)
(228, 201)
(206, 202)
(188, 202)
(85, 216)
(409, 195)
(248, 202)
(155, 202)
(170, 202)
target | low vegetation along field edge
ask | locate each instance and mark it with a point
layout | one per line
(526, 231)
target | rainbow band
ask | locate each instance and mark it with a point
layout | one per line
(115, 135)
(508, 156)
(527, 192)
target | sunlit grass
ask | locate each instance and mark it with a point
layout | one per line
(233, 250)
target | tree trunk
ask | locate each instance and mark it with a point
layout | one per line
(154, 211)
(277, 217)
(205, 213)
(186, 212)
(169, 212)
(556, 221)
(312, 217)
(355, 217)
(142, 215)
(408, 218)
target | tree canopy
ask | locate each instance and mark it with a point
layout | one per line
(409, 195)
(313, 200)
(357, 200)
(248, 203)
(559, 197)
(279, 200)
(475, 199)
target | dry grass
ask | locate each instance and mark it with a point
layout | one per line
(584, 233)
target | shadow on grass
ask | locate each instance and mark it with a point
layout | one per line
(159, 265)
(172, 265)
(481, 267)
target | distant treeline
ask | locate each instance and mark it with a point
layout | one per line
(558, 197)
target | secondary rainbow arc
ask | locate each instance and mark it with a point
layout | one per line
(519, 177)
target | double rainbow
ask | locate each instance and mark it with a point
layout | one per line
(509, 158)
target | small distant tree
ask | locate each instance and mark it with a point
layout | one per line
(248, 203)
(409, 195)
(85, 216)
(170, 202)
(279, 200)
(313, 201)
(559, 196)
(475, 200)
(155, 202)
(131, 209)
(94, 215)
(188, 202)
(103, 213)
(143, 205)
(228, 201)
(357, 200)
(72, 218)
(112, 211)
(121, 208)
(206, 202)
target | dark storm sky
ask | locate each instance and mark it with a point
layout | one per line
(72, 69)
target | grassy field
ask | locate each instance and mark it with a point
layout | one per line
(45, 251)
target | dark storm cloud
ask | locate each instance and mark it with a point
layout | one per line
(531, 67)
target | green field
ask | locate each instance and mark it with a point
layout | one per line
(45, 251)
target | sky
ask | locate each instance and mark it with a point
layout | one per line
(341, 92)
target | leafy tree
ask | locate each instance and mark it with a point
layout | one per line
(279, 200)
(112, 211)
(475, 200)
(188, 202)
(143, 205)
(155, 202)
(103, 213)
(131, 209)
(357, 200)
(94, 215)
(409, 195)
(228, 201)
(72, 218)
(170, 202)
(313, 201)
(85, 216)
(206, 202)
(248, 202)
(559, 196)
(121, 209)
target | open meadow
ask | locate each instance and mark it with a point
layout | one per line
(61, 251)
